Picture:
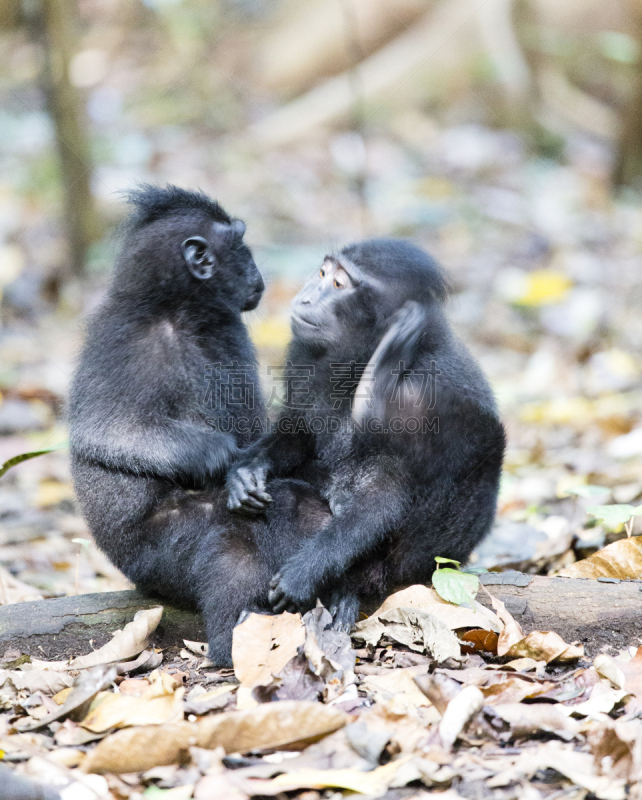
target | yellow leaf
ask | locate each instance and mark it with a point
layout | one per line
(544, 287)
(622, 559)
(271, 332)
(51, 492)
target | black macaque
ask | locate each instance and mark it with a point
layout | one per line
(149, 443)
(397, 429)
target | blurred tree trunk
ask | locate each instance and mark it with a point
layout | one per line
(628, 168)
(56, 25)
(9, 14)
(498, 33)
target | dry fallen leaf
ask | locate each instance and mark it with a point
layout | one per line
(622, 674)
(224, 785)
(546, 646)
(528, 720)
(602, 700)
(263, 644)
(538, 645)
(122, 711)
(622, 559)
(477, 640)
(272, 725)
(200, 701)
(373, 783)
(129, 642)
(511, 633)
(510, 688)
(615, 747)
(413, 627)
(14, 591)
(426, 598)
(398, 687)
(406, 729)
(458, 713)
(86, 687)
(34, 680)
(577, 767)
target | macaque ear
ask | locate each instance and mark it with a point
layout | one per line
(199, 258)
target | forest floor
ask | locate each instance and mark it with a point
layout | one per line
(547, 288)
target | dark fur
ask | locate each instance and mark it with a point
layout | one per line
(148, 457)
(398, 500)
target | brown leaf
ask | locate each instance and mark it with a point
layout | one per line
(398, 687)
(374, 782)
(86, 687)
(503, 688)
(129, 642)
(439, 689)
(34, 680)
(512, 633)
(221, 786)
(296, 681)
(546, 646)
(538, 645)
(623, 674)
(479, 640)
(426, 598)
(122, 711)
(413, 627)
(615, 751)
(527, 720)
(262, 646)
(622, 559)
(274, 725)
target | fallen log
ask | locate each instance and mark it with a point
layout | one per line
(594, 612)
(65, 627)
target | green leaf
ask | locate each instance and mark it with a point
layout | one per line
(26, 456)
(83, 542)
(587, 490)
(441, 560)
(615, 515)
(619, 46)
(455, 586)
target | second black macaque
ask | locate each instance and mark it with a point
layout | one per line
(397, 429)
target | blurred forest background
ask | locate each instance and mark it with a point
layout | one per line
(504, 136)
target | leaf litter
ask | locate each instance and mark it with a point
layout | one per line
(405, 701)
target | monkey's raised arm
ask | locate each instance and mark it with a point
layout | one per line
(172, 449)
(388, 376)
(276, 454)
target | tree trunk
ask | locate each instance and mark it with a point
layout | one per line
(65, 627)
(56, 28)
(628, 168)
